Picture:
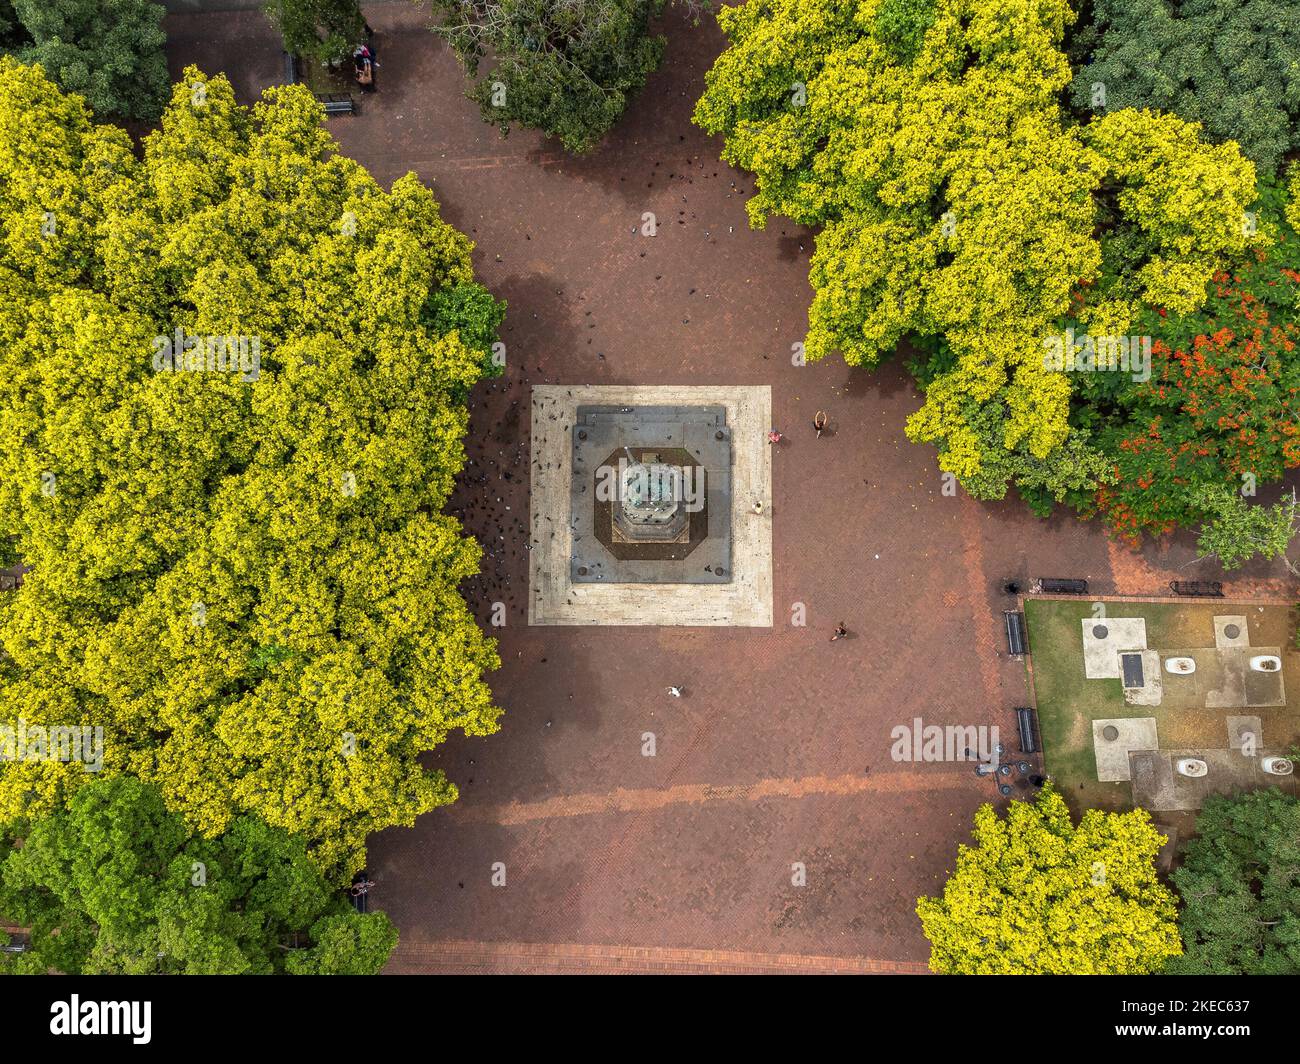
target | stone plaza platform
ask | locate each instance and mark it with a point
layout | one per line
(651, 595)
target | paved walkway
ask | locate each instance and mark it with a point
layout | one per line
(566, 958)
(780, 752)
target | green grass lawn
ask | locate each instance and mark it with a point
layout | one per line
(1068, 702)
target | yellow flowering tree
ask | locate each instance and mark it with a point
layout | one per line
(1036, 894)
(960, 206)
(1293, 198)
(232, 384)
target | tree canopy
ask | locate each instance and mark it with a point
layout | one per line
(109, 51)
(1037, 894)
(1218, 412)
(1233, 67)
(319, 30)
(1239, 531)
(117, 884)
(960, 206)
(1240, 885)
(232, 396)
(566, 67)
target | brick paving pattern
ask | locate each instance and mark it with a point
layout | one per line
(780, 750)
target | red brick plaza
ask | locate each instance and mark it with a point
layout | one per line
(779, 751)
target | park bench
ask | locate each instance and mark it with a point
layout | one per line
(1197, 588)
(1053, 586)
(338, 103)
(1028, 730)
(360, 892)
(335, 103)
(1015, 622)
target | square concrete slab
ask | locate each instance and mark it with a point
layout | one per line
(1113, 740)
(1231, 631)
(1244, 730)
(1104, 637)
(1241, 686)
(1158, 785)
(743, 600)
(1263, 688)
(1153, 781)
(1151, 690)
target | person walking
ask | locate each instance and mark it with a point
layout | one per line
(773, 436)
(841, 630)
(820, 421)
(676, 692)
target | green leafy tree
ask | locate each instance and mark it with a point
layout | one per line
(324, 31)
(959, 206)
(1037, 894)
(109, 51)
(566, 67)
(1218, 408)
(345, 944)
(1233, 67)
(470, 311)
(12, 34)
(117, 884)
(1238, 531)
(1240, 887)
(239, 566)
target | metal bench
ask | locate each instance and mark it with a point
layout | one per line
(338, 103)
(360, 892)
(1028, 730)
(1054, 586)
(1016, 642)
(1197, 588)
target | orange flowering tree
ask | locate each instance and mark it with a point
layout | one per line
(1222, 404)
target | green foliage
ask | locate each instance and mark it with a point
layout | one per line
(181, 523)
(322, 31)
(956, 200)
(12, 34)
(470, 311)
(346, 944)
(901, 25)
(1073, 470)
(1240, 886)
(1233, 67)
(1220, 407)
(566, 67)
(1037, 895)
(117, 884)
(109, 51)
(1238, 530)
